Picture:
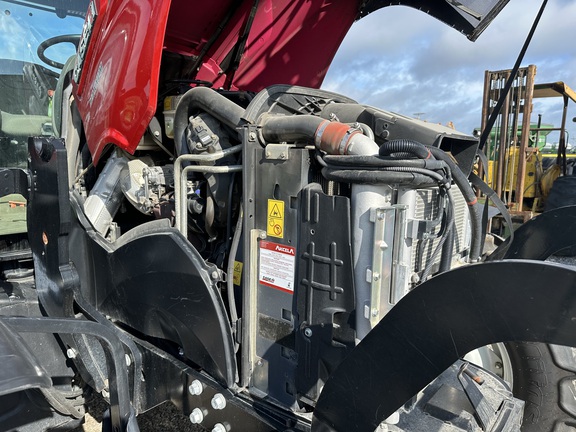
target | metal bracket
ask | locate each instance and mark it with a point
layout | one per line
(277, 151)
(382, 251)
(418, 229)
(388, 273)
(14, 181)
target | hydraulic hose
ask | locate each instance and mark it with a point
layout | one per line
(449, 227)
(371, 169)
(380, 161)
(384, 176)
(207, 100)
(470, 197)
(447, 250)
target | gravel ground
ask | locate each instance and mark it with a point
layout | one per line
(165, 418)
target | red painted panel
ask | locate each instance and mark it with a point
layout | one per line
(294, 42)
(118, 87)
(291, 42)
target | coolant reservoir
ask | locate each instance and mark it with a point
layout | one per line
(170, 103)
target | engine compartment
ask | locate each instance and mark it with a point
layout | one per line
(291, 221)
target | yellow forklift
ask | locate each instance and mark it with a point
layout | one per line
(521, 168)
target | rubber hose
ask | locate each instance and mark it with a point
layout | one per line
(290, 128)
(433, 174)
(379, 177)
(440, 245)
(448, 248)
(405, 146)
(447, 251)
(379, 161)
(207, 100)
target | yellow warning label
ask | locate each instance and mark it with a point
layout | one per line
(275, 218)
(237, 277)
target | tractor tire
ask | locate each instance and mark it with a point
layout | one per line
(562, 194)
(544, 376)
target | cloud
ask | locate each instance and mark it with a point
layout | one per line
(402, 60)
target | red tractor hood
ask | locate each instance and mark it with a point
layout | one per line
(234, 44)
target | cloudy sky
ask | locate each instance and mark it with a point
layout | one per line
(405, 61)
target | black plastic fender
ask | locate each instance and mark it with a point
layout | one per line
(541, 236)
(154, 281)
(20, 368)
(436, 324)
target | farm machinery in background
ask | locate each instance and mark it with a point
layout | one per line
(521, 166)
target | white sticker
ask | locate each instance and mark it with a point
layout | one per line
(277, 266)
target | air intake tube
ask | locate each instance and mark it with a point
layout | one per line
(207, 100)
(332, 137)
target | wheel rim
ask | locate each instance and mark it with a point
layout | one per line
(494, 358)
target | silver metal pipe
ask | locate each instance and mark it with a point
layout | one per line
(209, 157)
(364, 199)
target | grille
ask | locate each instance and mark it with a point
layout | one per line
(426, 208)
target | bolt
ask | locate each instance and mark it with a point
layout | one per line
(156, 133)
(380, 216)
(376, 277)
(498, 365)
(268, 154)
(195, 388)
(260, 362)
(218, 402)
(282, 156)
(374, 312)
(181, 351)
(71, 353)
(196, 416)
(128, 359)
(214, 275)
(252, 136)
(219, 427)
(308, 332)
(105, 394)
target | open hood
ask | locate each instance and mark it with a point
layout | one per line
(265, 42)
(231, 44)
(471, 17)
